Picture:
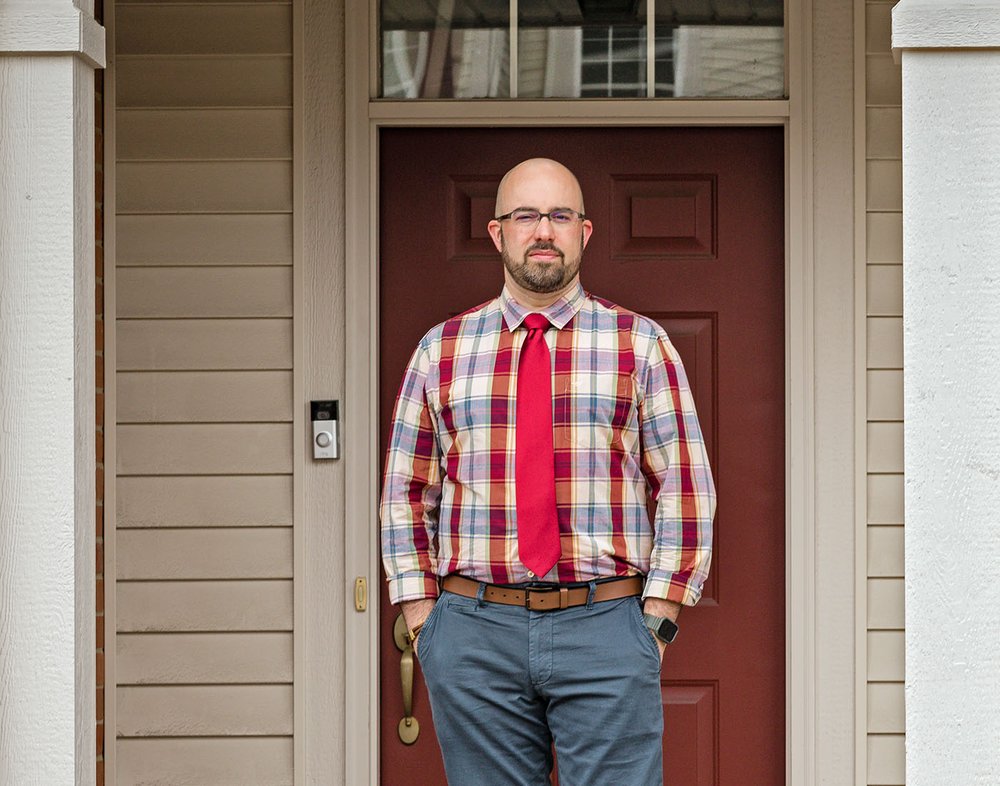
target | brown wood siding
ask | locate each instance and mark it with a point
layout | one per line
(203, 431)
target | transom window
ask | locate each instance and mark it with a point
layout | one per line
(582, 48)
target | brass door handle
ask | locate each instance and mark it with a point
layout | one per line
(409, 727)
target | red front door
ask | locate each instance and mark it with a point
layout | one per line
(688, 230)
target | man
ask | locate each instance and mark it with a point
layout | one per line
(527, 434)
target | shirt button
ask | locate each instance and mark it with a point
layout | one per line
(531, 573)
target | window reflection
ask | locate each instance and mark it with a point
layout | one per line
(572, 49)
(446, 49)
(731, 61)
(583, 48)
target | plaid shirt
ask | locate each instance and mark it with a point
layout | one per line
(624, 426)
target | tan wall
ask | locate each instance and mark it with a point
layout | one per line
(204, 403)
(886, 754)
(203, 375)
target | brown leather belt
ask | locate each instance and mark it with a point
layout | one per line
(544, 599)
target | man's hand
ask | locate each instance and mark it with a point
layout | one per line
(662, 608)
(416, 612)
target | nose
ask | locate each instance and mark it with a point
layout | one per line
(544, 228)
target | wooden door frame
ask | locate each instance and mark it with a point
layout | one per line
(809, 313)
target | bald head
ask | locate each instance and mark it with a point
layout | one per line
(542, 257)
(539, 183)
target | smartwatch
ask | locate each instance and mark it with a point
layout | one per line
(663, 628)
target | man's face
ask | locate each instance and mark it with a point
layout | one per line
(542, 256)
(539, 261)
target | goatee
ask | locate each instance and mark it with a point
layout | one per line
(537, 277)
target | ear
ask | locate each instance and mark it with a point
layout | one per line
(495, 230)
(588, 229)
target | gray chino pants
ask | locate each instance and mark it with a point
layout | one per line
(505, 683)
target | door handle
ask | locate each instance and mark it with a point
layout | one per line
(409, 727)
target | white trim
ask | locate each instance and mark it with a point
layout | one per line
(512, 53)
(47, 386)
(71, 31)
(860, 400)
(300, 517)
(650, 48)
(945, 24)
(584, 111)
(951, 433)
(83, 310)
(800, 568)
(320, 587)
(361, 688)
(365, 116)
(834, 285)
(110, 404)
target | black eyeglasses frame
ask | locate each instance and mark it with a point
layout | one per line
(579, 216)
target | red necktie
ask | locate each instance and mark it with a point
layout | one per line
(534, 458)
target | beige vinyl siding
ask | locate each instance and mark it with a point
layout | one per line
(884, 225)
(203, 431)
(532, 53)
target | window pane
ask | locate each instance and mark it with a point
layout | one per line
(720, 48)
(446, 49)
(582, 48)
(576, 48)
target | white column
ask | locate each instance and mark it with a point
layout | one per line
(951, 270)
(48, 52)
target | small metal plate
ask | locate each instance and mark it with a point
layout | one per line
(399, 631)
(409, 730)
(360, 594)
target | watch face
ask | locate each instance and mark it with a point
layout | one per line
(662, 627)
(667, 630)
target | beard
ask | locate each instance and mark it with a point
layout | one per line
(537, 277)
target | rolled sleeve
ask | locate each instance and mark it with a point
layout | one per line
(675, 463)
(411, 490)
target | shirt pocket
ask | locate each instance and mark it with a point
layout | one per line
(599, 410)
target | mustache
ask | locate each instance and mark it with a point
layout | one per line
(543, 245)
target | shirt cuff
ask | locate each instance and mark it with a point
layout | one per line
(667, 586)
(415, 585)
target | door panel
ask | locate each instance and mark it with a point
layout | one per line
(688, 230)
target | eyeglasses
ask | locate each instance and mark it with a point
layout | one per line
(527, 218)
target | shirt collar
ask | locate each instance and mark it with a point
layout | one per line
(559, 313)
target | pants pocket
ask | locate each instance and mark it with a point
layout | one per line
(427, 631)
(647, 635)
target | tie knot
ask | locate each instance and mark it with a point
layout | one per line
(536, 322)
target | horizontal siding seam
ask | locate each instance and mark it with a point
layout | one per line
(281, 317)
(198, 107)
(212, 684)
(203, 736)
(214, 265)
(197, 266)
(174, 475)
(205, 56)
(237, 421)
(209, 580)
(204, 212)
(212, 160)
